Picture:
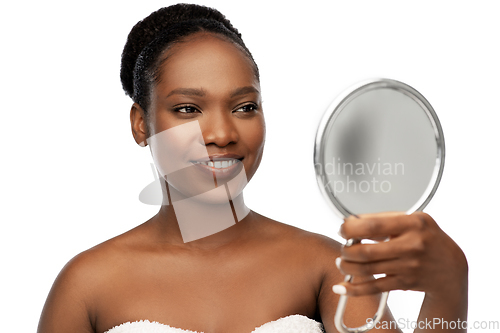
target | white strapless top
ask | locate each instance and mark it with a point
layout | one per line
(289, 324)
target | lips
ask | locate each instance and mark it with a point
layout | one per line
(219, 157)
(221, 166)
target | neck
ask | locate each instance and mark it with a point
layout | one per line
(207, 220)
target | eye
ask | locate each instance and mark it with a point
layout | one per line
(186, 109)
(251, 107)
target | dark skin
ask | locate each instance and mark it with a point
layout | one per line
(258, 270)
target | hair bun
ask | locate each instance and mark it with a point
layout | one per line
(146, 30)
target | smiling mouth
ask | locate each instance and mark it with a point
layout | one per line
(219, 163)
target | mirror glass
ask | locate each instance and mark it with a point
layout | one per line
(379, 147)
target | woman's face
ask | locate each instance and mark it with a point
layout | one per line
(205, 121)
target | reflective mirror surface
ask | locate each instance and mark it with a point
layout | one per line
(379, 147)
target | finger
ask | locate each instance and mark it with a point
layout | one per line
(372, 287)
(373, 226)
(368, 269)
(363, 253)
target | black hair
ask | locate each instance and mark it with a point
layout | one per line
(149, 38)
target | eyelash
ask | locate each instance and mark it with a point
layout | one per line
(193, 109)
(246, 106)
(178, 109)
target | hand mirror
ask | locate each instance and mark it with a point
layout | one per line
(379, 147)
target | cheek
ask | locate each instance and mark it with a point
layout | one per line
(161, 121)
(255, 137)
(175, 147)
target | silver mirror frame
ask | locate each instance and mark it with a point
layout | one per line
(324, 128)
(338, 105)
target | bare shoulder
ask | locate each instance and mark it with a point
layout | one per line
(94, 263)
(323, 249)
(70, 304)
(292, 233)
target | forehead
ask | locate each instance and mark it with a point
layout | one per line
(206, 61)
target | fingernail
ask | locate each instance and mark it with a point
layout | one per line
(339, 289)
(337, 262)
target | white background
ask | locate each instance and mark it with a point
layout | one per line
(71, 172)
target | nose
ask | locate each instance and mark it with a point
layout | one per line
(218, 128)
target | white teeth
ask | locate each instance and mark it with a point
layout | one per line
(219, 164)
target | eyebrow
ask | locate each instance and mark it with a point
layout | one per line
(244, 91)
(187, 92)
(201, 92)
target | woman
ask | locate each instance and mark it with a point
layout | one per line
(206, 262)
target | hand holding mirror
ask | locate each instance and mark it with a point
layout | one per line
(379, 147)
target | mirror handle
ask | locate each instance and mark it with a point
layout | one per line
(341, 306)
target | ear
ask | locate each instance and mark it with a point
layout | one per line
(139, 125)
